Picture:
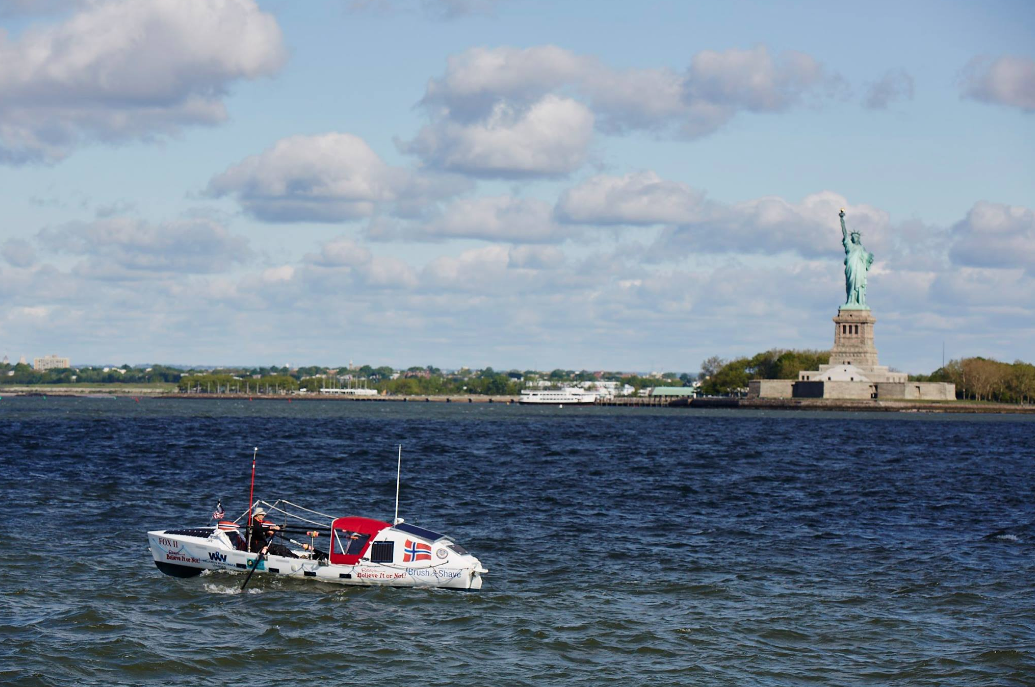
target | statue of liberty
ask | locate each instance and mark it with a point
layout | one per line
(857, 262)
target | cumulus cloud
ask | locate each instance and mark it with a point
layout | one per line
(332, 177)
(344, 262)
(893, 86)
(494, 218)
(548, 138)
(128, 70)
(693, 224)
(772, 224)
(129, 248)
(638, 198)
(995, 235)
(495, 269)
(511, 112)
(1008, 81)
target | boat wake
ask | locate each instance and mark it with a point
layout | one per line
(214, 588)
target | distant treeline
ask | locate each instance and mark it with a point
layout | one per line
(413, 381)
(984, 379)
(724, 377)
(25, 375)
(433, 385)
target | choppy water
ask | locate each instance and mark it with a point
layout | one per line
(625, 546)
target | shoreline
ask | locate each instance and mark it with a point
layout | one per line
(790, 404)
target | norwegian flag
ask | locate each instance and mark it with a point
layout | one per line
(218, 513)
(416, 551)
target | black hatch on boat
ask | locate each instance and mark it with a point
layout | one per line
(419, 531)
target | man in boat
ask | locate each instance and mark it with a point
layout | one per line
(262, 534)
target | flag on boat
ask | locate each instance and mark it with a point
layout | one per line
(218, 513)
(416, 551)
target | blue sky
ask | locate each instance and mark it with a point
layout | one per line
(512, 183)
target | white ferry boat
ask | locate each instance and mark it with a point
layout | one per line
(568, 395)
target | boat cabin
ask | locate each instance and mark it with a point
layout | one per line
(354, 538)
(350, 539)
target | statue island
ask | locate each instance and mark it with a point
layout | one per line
(853, 371)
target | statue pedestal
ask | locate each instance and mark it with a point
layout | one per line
(853, 338)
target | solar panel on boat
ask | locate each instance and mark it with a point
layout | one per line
(382, 552)
(418, 531)
(191, 532)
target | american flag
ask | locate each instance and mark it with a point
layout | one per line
(218, 513)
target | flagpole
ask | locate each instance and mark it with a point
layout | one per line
(251, 495)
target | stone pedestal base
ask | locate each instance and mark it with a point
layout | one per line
(853, 339)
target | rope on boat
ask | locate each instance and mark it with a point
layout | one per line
(275, 506)
(307, 510)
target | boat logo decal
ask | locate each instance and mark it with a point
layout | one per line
(437, 573)
(441, 553)
(216, 556)
(416, 551)
(366, 574)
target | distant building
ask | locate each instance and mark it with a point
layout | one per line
(49, 362)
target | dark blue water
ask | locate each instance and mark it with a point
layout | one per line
(625, 546)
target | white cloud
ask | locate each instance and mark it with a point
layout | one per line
(341, 252)
(548, 138)
(342, 261)
(768, 224)
(519, 112)
(893, 86)
(995, 235)
(487, 270)
(636, 198)
(283, 273)
(333, 177)
(1008, 81)
(128, 70)
(493, 218)
(773, 225)
(124, 248)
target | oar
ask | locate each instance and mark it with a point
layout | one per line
(258, 559)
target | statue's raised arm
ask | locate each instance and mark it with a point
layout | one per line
(844, 230)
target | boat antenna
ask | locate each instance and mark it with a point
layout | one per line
(251, 494)
(398, 476)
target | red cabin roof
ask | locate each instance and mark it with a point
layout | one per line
(351, 537)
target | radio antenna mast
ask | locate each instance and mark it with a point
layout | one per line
(398, 476)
